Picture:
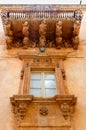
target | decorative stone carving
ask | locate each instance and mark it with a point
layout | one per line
(42, 33)
(9, 41)
(20, 104)
(25, 32)
(25, 29)
(75, 39)
(59, 28)
(67, 104)
(42, 41)
(8, 31)
(22, 74)
(58, 42)
(76, 28)
(25, 42)
(9, 34)
(65, 110)
(42, 60)
(43, 111)
(63, 74)
(42, 28)
(51, 44)
(59, 34)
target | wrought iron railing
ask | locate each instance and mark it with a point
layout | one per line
(41, 14)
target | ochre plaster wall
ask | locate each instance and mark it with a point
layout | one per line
(75, 67)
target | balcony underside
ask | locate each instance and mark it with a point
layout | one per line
(42, 27)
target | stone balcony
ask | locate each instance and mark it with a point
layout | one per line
(41, 26)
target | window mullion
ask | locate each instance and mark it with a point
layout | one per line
(43, 87)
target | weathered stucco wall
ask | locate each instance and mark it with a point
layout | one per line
(75, 67)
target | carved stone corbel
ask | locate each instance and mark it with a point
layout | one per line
(67, 105)
(9, 34)
(20, 105)
(25, 32)
(42, 33)
(59, 34)
(75, 39)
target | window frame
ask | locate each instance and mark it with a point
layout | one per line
(40, 63)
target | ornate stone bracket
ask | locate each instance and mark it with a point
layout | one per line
(20, 104)
(67, 104)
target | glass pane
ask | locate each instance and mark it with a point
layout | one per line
(35, 83)
(36, 92)
(36, 75)
(50, 92)
(49, 75)
(50, 83)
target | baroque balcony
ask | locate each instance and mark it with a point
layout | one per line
(45, 26)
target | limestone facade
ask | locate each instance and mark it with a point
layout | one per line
(75, 71)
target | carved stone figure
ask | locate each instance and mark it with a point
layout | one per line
(42, 33)
(59, 34)
(9, 41)
(75, 41)
(59, 28)
(42, 41)
(25, 42)
(42, 28)
(76, 28)
(7, 28)
(58, 42)
(25, 29)
(9, 34)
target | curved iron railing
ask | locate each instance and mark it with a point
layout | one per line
(41, 14)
